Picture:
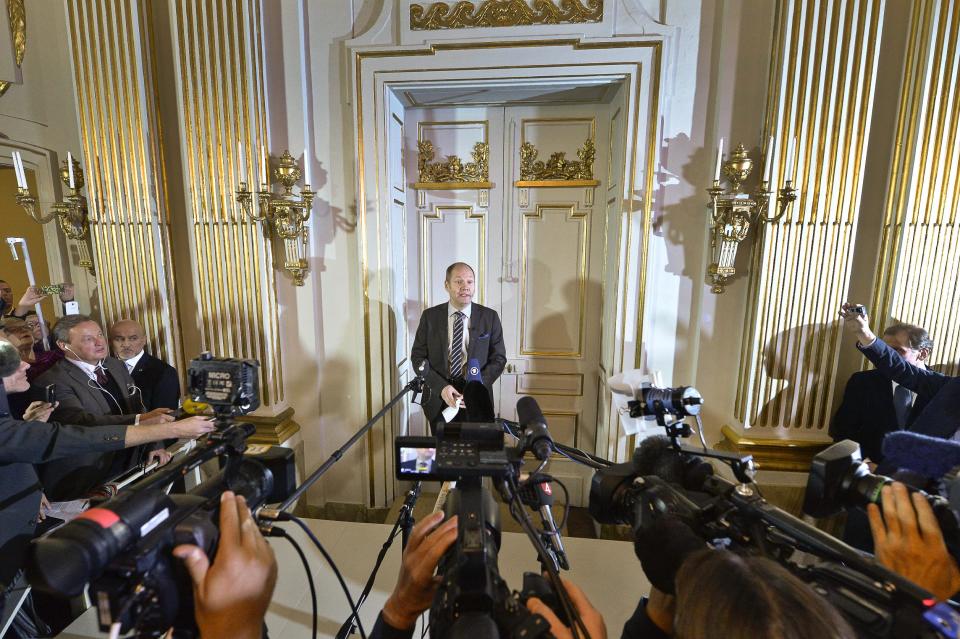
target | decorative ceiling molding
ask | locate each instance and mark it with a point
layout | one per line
(503, 13)
(17, 15)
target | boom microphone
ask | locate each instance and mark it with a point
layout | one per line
(538, 439)
(931, 457)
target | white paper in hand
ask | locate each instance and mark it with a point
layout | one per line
(451, 411)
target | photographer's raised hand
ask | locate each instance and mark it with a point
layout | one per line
(856, 324)
(231, 595)
(907, 540)
(592, 619)
(417, 582)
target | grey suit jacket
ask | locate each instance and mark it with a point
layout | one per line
(81, 403)
(431, 344)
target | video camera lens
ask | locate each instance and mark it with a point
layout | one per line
(839, 479)
(682, 401)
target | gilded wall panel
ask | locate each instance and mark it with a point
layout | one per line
(823, 70)
(118, 113)
(219, 62)
(918, 279)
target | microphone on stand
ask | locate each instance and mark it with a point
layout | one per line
(537, 438)
(540, 497)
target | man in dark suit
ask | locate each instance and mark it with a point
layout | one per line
(873, 405)
(451, 334)
(941, 415)
(156, 381)
(93, 389)
(25, 443)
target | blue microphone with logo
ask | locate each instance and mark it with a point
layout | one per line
(476, 396)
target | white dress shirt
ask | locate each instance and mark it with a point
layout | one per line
(132, 362)
(89, 369)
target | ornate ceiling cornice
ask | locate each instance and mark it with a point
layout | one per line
(503, 13)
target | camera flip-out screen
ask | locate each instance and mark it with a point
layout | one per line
(416, 458)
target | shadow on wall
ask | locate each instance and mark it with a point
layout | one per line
(552, 331)
(794, 360)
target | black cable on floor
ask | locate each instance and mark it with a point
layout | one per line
(284, 516)
(280, 532)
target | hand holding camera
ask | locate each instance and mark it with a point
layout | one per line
(232, 594)
(908, 540)
(855, 322)
(417, 582)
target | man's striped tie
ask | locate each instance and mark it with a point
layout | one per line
(456, 346)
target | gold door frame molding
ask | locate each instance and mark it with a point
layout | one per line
(631, 250)
(426, 221)
(503, 13)
(583, 217)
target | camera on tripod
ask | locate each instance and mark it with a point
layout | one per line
(473, 600)
(122, 548)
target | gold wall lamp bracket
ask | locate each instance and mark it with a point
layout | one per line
(285, 214)
(733, 212)
(71, 214)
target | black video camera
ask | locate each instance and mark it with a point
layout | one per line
(473, 600)
(668, 482)
(122, 548)
(230, 386)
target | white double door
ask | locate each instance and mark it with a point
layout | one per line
(538, 253)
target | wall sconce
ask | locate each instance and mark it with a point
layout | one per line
(71, 214)
(733, 212)
(285, 214)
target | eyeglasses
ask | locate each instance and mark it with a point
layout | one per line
(32, 324)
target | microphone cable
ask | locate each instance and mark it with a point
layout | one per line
(280, 532)
(541, 478)
(285, 516)
(519, 513)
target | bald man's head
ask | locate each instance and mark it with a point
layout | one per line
(127, 338)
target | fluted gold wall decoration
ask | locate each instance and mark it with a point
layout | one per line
(219, 62)
(823, 70)
(129, 223)
(918, 279)
(503, 13)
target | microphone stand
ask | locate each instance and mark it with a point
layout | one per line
(415, 385)
(405, 523)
